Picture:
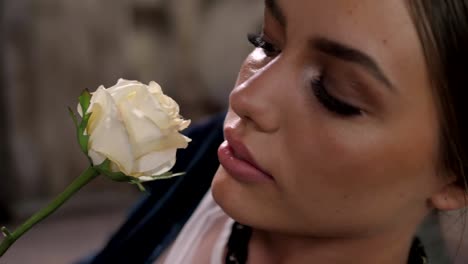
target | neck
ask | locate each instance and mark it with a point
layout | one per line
(275, 248)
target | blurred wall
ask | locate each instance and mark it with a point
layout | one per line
(55, 48)
(5, 155)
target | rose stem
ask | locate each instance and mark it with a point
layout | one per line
(10, 237)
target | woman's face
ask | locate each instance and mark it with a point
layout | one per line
(336, 111)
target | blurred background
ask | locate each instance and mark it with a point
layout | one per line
(50, 50)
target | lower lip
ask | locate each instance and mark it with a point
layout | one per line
(240, 169)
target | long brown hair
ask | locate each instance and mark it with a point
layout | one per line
(443, 29)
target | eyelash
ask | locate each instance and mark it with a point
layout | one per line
(328, 101)
(258, 41)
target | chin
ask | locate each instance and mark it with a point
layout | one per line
(225, 190)
(231, 196)
(240, 201)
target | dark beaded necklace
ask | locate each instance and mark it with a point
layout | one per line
(238, 247)
(238, 244)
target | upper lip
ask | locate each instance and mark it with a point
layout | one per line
(240, 151)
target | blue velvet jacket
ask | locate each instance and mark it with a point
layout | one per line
(158, 218)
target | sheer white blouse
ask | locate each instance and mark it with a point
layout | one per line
(203, 238)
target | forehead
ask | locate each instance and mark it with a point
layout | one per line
(367, 13)
(382, 29)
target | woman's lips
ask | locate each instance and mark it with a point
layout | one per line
(237, 161)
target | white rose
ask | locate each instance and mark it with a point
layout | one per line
(136, 127)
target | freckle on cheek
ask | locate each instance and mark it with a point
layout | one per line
(401, 195)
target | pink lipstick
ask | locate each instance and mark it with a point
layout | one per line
(239, 163)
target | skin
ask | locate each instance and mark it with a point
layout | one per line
(345, 188)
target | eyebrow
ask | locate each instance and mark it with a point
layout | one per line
(335, 49)
(276, 11)
(349, 54)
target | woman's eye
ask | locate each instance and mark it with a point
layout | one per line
(331, 103)
(259, 41)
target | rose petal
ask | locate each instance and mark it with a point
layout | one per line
(169, 107)
(108, 135)
(171, 141)
(122, 90)
(97, 158)
(153, 108)
(156, 163)
(141, 130)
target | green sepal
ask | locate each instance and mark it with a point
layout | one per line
(138, 184)
(6, 233)
(167, 175)
(104, 169)
(85, 101)
(73, 116)
(83, 139)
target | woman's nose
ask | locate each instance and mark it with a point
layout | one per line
(257, 98)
